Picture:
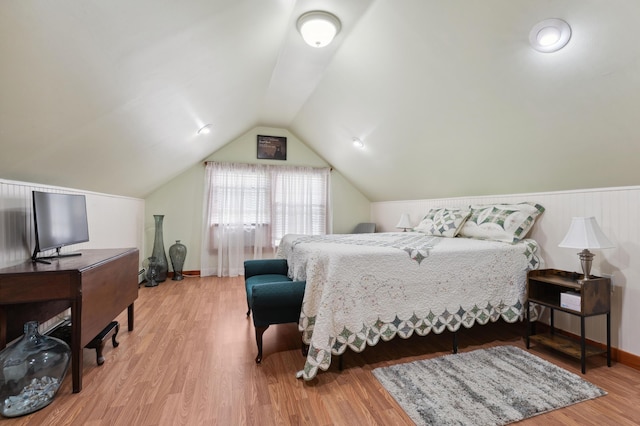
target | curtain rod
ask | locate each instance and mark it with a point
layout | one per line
(331, 168)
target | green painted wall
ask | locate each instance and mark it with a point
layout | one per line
(180, 200)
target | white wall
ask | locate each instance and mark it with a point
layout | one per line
(114, 221)
(180, 199)
(617, 210)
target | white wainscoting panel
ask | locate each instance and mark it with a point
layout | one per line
(114, 221)
(617, 210)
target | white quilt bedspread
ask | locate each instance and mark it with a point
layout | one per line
(365, 287)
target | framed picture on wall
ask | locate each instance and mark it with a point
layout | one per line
(272, 147)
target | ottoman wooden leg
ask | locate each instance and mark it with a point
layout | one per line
(98, 342)
(259, 332)
(114, 342)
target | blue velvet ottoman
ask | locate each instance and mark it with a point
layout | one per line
(272, 296)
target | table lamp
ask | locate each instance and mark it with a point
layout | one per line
(584, 233)
(404, 223)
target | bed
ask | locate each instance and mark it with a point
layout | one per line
(364, 288)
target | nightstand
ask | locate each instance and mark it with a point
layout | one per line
(547, 287)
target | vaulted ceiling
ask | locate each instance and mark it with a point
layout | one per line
(448, 97)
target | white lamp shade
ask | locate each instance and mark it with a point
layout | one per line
(318, 28)
(405, 222)
(584, 233)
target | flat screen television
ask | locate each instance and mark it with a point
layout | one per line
(60, 220)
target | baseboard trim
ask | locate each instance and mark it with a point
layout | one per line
(626, 358)
(186, 274)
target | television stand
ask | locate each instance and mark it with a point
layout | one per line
(45, 259)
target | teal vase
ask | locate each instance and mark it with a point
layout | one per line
(177, 254)
(152, 272)
(162, 265)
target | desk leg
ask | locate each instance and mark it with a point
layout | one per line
(583, 345)
(527, 322)
(609, 339)
(130, 317)
(76, 347)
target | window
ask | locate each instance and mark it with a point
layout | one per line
(249, 208)
(299, 203)
(240, 194)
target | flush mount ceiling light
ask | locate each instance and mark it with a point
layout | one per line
(357, 143)
(318, 28)
(550, 35)
(205, 130)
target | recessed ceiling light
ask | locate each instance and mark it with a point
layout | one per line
(357, 143)
(550, 35)
(318, 28)
(205, 130)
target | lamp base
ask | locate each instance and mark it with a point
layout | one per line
(586, 258)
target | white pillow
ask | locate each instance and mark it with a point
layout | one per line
(501, 222)
(443, 222)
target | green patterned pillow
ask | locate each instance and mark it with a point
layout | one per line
(443, 222)
(501, 222)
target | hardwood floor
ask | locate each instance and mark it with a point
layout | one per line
(190, 361)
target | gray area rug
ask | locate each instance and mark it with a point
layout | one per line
(493, 386)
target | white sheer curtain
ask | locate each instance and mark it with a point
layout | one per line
(300, 201)
(236, 217)
(249, 208)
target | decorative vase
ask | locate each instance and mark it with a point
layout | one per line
(31, 372)
(177, 254)
(152, 272)
(158, 249)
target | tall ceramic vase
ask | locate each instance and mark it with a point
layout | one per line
(177, 254)
(158, 250)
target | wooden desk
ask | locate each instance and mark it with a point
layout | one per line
(97, 286)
